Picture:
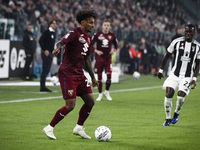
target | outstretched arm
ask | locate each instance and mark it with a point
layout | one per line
(164, 61)
(88, 65)
(196, 71)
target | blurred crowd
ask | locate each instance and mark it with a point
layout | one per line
(142, 25)
(141, 15)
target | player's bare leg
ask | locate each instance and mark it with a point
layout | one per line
(83, 115)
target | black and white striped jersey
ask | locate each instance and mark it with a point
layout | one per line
(185, 54)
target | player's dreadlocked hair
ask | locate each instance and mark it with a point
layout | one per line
(84, 14)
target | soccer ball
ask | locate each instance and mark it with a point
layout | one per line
(136, 75)
(54, 80)
(103, 134)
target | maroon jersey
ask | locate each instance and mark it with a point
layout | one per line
(104, 43)
(77, 46)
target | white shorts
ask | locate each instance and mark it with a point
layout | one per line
(182, 84)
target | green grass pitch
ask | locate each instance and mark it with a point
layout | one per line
(135, 118)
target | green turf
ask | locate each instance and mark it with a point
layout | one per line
(135, 119)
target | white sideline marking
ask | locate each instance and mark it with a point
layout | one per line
(47, 98)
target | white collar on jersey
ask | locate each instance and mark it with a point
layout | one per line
(51, 29)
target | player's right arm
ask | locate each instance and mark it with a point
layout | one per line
(170, 50)
(164, 61)
(196, 72)
(98, 52)
(94, 39)
(65, 39)
(57, 47)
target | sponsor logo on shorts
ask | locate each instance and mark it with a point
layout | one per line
(71, 92)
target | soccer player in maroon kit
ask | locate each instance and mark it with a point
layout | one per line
(104, 40)
(72, 80)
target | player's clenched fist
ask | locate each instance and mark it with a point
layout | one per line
(55, 51)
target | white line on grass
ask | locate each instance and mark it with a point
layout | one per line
(55, 97)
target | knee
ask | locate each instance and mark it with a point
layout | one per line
(99, 76)
(169, 94)
(70, 104)
(181, 94)
(91, 103)
(70, 107)
(109, 76)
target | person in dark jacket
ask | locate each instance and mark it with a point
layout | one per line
(29, 44)
(147, 52)
(47, 41)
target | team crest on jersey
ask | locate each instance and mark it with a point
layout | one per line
(101, 37)
(82, 40)
(71, 92)
(109, 37)
(182, 46)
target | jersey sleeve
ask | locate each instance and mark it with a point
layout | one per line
(70, 36)
(198, 54)
(115, 42)
(91, 48)
(171, 48)
(94, 39)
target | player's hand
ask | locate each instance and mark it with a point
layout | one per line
(193, 84)
(99, 52)
(160, 75)
(46, 52)
(95, 83)
(112, 52)
(55, 51)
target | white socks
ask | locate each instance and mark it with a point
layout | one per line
(179, 104)
(168, 107)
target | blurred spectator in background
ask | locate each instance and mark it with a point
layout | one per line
(29, 44)
(125, 58)
(178, 33)
(134, 59)
(147, 52)
(160, 50)
(47, 41)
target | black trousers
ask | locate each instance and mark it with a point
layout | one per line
(29, 60)
(46, 66)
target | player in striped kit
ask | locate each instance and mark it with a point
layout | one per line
(184, 71)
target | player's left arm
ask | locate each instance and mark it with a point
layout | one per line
(196, 72)
(115, 42)
(88, 65)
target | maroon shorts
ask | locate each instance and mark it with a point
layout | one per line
(74, 86)
(100, 65)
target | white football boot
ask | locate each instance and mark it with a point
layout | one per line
(48, 131)
(78, 130)
(107, 95)
(100, 97)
